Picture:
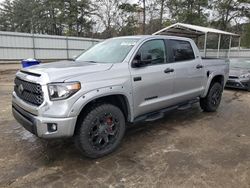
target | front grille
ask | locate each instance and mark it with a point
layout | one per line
(234, 84)
(231, 84)
(245, 84)
(233, 77)
(28, 91)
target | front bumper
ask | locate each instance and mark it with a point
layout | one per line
(239, 84)
(40, 126)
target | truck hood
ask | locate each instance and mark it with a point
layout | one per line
(63, 70)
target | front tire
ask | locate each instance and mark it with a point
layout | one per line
(212, 101)
(100, 132)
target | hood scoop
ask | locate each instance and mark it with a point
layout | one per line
(63, 70)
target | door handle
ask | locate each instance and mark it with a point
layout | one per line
(137, 79)
(199, 66)
(168, 70)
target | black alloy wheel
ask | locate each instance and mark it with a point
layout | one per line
(100, 131)
(212, 101)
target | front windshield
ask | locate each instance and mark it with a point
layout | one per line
(109, 51)
(245, 64)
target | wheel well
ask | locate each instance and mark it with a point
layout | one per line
(219, 79)
(118, 100)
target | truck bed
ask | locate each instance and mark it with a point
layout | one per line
(214, 61)
(214, 65)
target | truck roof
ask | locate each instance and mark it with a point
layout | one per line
(154, 37)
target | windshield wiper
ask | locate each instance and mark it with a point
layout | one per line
(92, 61)
(238, 67)
(87, 61)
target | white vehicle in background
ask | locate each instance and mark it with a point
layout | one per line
(239, 74)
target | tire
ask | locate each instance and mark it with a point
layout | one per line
(248, 89)
(212, 101)
(100, 132)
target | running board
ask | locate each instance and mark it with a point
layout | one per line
(185, 107)
(188, 105)
(160, 114)
(155, 116)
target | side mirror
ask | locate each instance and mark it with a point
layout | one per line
(147, 59)
(137, 62)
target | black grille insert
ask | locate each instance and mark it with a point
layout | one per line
(28, 91)
(233, 77)
(30, 73)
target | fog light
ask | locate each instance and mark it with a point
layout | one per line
(52, 127)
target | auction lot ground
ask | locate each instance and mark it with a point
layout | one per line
(185, 149)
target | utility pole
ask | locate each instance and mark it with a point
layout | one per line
(161, 12)
(144, 17)
(32, 34)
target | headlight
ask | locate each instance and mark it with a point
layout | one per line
(59, 91)
(245, 75)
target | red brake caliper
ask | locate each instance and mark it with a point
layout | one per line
(109, 122)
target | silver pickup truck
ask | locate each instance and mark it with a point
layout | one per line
(120, 80)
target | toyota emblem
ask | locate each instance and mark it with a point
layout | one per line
(20, 89)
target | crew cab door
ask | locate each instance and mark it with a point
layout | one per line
(189, 70)
(152, 81)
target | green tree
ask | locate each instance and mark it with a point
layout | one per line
(189, 11)
(129, 19)
(56, 17)
(228, 11)
(108, 18)
(108, 15)
(7, 16)
(51, 17)
(246, 36)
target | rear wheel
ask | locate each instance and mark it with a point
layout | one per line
(101, 131)
(212, 101)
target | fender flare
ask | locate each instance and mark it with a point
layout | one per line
(211, 76)
(86, 98)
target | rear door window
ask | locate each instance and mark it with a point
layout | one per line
(181, 50)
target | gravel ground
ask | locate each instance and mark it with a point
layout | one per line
(187, 148)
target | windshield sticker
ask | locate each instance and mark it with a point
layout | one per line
(128, 43)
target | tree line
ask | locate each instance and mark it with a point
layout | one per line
(108, 18)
